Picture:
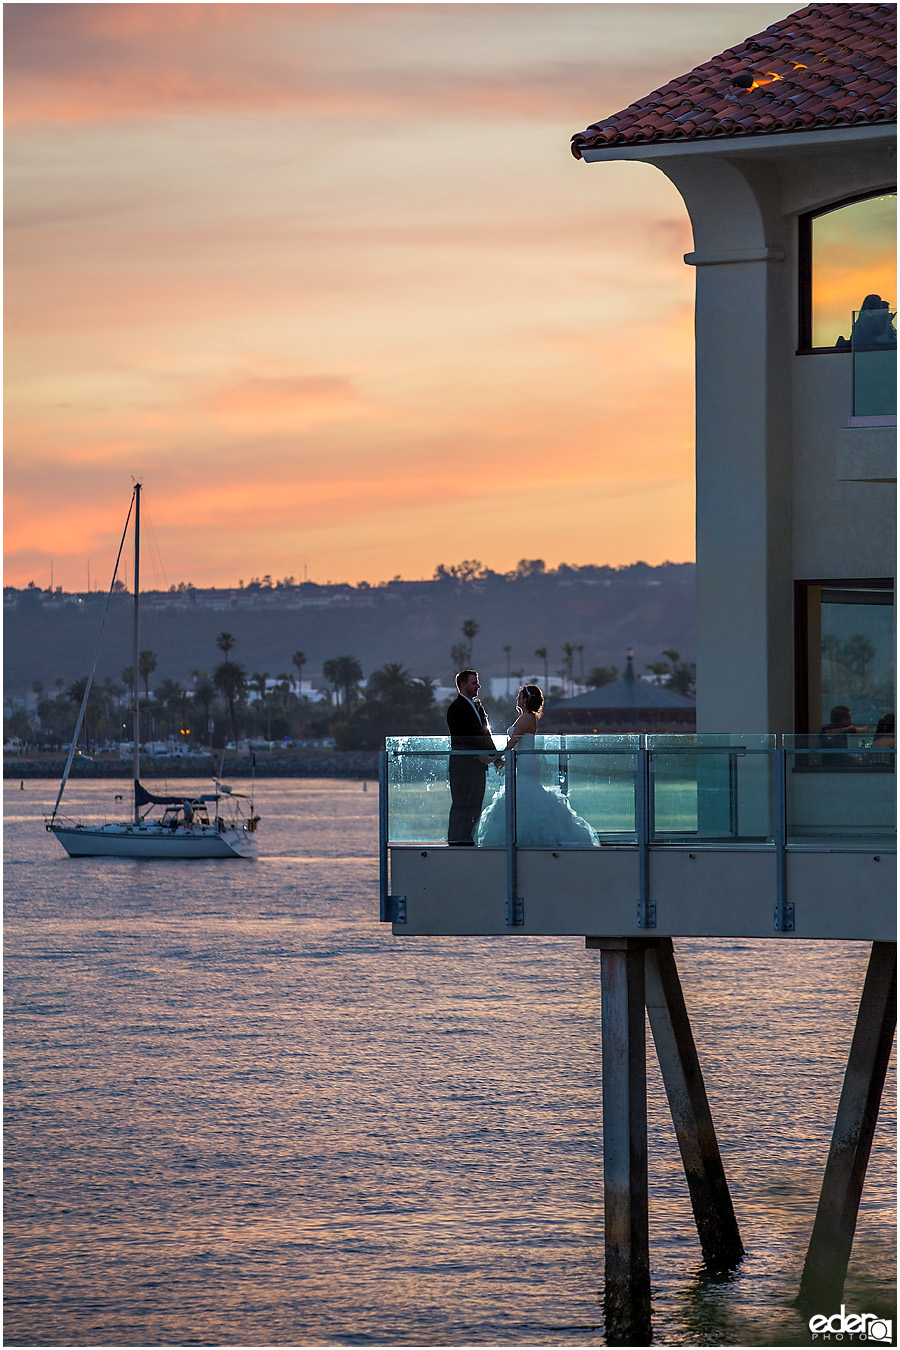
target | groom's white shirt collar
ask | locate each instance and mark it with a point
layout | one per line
(472, 701)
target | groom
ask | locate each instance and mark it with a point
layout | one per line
(469, 730)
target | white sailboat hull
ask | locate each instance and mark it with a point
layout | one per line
(153, 841)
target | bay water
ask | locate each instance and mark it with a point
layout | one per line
(240, 1112)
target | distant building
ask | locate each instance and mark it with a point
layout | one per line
(628, 704)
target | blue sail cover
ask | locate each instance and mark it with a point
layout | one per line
(144, 798)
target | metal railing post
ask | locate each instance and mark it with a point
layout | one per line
(646, 908)
(514, 906)
(563, 767)
(784, 909)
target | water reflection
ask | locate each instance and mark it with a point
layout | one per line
(245, 1113)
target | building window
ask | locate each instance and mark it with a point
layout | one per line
(847, 262)
(845, 652)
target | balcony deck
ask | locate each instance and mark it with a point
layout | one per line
(718, 836)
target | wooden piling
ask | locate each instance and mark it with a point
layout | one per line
(627, 1282)
(825, 1269)
(720, 1239)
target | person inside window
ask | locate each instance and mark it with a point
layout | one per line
(833, 738)
(873, 328)
(884, 733)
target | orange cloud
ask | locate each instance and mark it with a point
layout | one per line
(259, 403)
(327, 279)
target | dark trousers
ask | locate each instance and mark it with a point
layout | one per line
(467, 783)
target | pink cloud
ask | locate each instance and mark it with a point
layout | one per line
(102, 63)
(260, 403)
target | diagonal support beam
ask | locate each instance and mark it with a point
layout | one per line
(835, 1225)
(679, 1064)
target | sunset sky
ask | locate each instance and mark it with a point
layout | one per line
(327, 279)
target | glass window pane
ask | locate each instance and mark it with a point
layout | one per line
(853, 256)
(857, 656)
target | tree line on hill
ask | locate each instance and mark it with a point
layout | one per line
(227, 701)
(568, 628)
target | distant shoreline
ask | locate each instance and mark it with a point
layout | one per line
(313, 763)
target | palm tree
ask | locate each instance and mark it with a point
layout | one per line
(602, 675)
(857, 654)
(569, 650)
(332, 675)
(225, 642)
(350, 672)
(285, 686)
(469, 629)
(507, 650)
(230, 679)
(542, 653)
(146, 667)
(172, 696)
(299, 660)
(344, 674)
(459, 655)
(391, 682)
(204, 694)
(75, 694)
(258, 683)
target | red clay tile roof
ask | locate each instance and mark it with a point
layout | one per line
(828, 65)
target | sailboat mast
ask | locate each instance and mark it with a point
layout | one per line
(136, 638)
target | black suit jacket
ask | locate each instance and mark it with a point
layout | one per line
(467, 729)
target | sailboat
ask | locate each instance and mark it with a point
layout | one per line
(205, 825)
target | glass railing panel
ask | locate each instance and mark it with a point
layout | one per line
(874, 345)
(595, 775)
(418, 788)
(842, 786)
(711, 787)
(567, 796)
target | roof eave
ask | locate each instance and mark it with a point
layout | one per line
(768, 143)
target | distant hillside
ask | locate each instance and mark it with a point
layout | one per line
(607, 610)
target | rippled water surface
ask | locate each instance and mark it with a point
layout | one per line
(241, 1112)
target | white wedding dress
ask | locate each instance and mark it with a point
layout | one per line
(544, 817)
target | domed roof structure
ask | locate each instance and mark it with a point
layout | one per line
(626, 702)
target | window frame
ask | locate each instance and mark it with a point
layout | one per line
(804, 270)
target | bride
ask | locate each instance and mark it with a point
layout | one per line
(544, 817)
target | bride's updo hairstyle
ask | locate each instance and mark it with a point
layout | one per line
(532, 699)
